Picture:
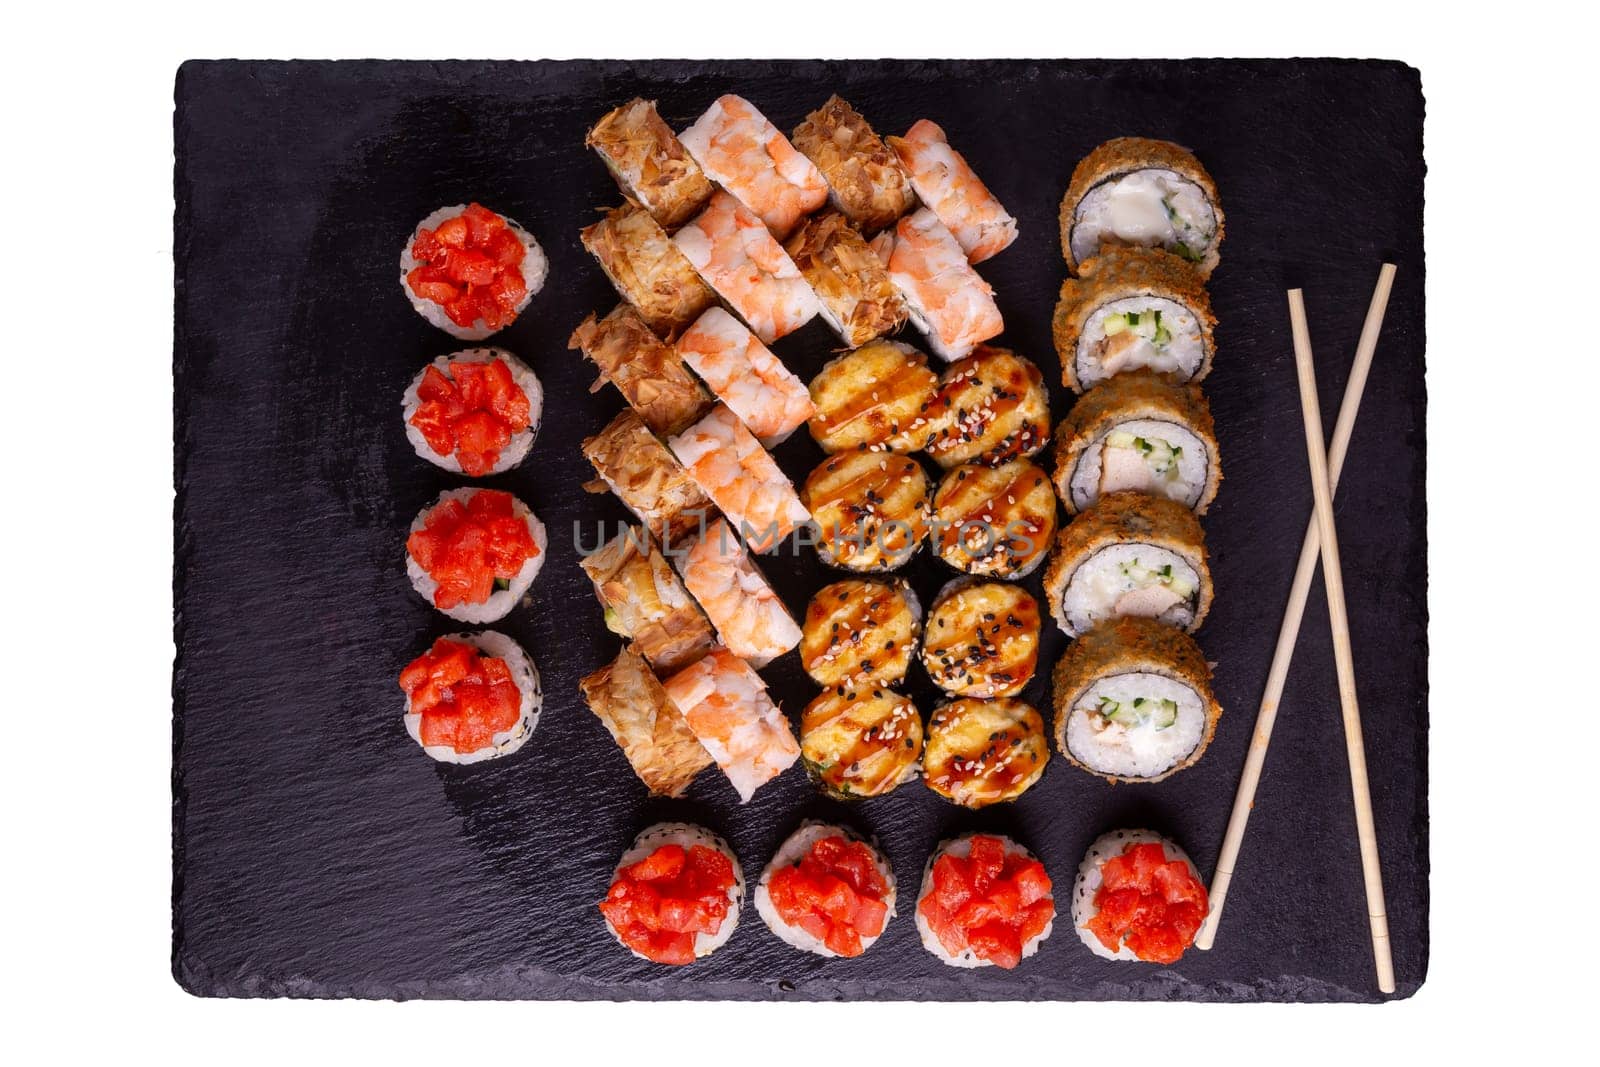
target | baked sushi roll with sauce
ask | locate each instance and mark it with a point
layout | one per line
(874, 398)
(471, 697)
(991, 406)
(645, 603)
(985, 901)
(647, 372)
(474, 412)
(982, 752)
(870, 508)
(750, 618)
(725, 703)
(1133, 701)
(1138, 897)
(994, 521)
(1133, 309)
(828, 891)
(859, 632)
(650, 163)
(470, 271)
(860, 741)
(1130, 554)
(627, 698)
(646, 476)
(474, 553)
(865, 180)
(1142, 433)
(949, 302)
(945, 183)
(675, 894)
(741, 478)
(746, 155)
(647, 269)
(1146, 193)
(853, 289)
(748, 268)
(981, 639)
(746, 376)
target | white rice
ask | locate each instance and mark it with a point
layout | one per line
(1131, 209)
(1094, 589)
(1140, 751)
(526, 677)
(535, 268)
(1087, 884)
(688, 835)
(500, 601)
(961, 848)
(1180, 357)
(521, 373)
(792, 851)
(1193, 465)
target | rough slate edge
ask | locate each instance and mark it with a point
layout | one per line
(515, 982)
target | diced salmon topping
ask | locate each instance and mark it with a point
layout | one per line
(463, 696)
(661, 903)
(1150, 904)
(471, 413)
(471, 266)
(835, 893)
(992, 902)
(468, 547)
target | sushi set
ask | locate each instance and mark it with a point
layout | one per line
(811, 511)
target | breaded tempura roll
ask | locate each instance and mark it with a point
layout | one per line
(870, 508)
(746, 155)
(749, 269)
(991, 407)
(650, 163)
(946, 184)
(746, 376)
(648, 373)
(647, 268)
(874, 398)
(1139, 191)
(645, 602)
(858, 299)
(994, 521)
(646, 477)
(865, 180)
(629, 701)
(946, 298)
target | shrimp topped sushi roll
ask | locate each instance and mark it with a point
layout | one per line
(473, 553)
(949, 187)
(852, 285)
(982, 639)
(474, 412)
(1138, 431)
(828, 890)
(646, 477)
(647, 372)
(859, 633)
(949, 302)
(865, 180)
(875, 398)
(630, 703)
(749, 617)
(860, 741)
(748, 268)
(725, 703)
(645, 602)
(746, 376)
(982, 752)
(675, 894)
(647, 269)
(471, 697)
(725, 459)
(870, 508)
(650, 163)
(994, 521)
(1138, 896)
(985, 901)
(470, 271)
(991, 407)
(1142, 192)
(746, 155)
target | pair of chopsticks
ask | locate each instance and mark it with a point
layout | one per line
(1320, 540)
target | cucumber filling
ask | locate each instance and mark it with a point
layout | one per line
(1161, 456)
(1140, 711)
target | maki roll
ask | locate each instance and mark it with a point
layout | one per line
(1138, 896)
(647, 372)
(749, 617)
(474, 412)
(828, 891)
(860, 742)
(859, 633)
(985, 901)
(473, 553)
(470, 271)
(1133, 309)
(1130, 554)
(647, 269)
(982, 752)
(471, 697)
(1142, 192)
(645, 602)
(874, 398)
(675, 894)
(952, 306)
(746, 155)
(982, 638)
(991, 406)
(853, 289)
(646, 477)
(650, 163)
(1133, 701)
(741, 478)
(1138, 432)
(864, 177)
(949, 187)
(725, 703)
(746, 376)
(994, 521)
(870, 509)
(748, 268)
(630, 703)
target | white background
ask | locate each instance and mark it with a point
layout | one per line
(1511, 221)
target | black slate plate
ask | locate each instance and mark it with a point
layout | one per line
(317, 852)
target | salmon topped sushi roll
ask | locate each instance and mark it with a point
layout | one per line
(748, 268)
(859, 633)
(949, 187)
(994, 521)
(650, 163)
(627, 698)
(991, 407)
(1138, 896)
(645, 603)
(647, 269)
(646, 477)
(851, 282)
(474, 412)
(746, 376)
(946, 298)
(861, 741)
(725, 703)
(646, 371)
(746, 155)
(982, 639)
(675, 894)
(473, 553)
(741, 478)
(870, 509)
(750, 618)
(828, 890)
(471, 697)
(865, 180)
(985, 901)
(470, 271)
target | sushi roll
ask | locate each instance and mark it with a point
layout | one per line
(991, 406)
(474, 553)
(828, 890)
(1133, 309)
(650, 163)
(646, 476)
(985, 901)
(741, 478)
(860, 742)
(630, 703)
(859, 632)
(870, 508)
(994, 521)
(1133, 701)
(853, 289)
(725, 703)
(746, 376)
(645, 603)
(1138, 896)
(748, 268)
(1129, 554)
(865, 180)
(647, 269)
(471, 697)
(675, 894)
(952, 306)
(470, 271)
(474, 412)
(1140, 432)
(1142, 192)
(982, 752)
(945, 183)
(981, 638)
(749, 617)
(746, 155)
(647, 372)
(874, 398)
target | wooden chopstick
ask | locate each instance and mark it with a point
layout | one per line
(1244, 800)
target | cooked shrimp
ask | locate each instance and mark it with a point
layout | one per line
(751, 271)
(725, 703)
(740, 477)
(746, 155)
(746, 376)
(748, 615)
(947, 299)
(947, 184)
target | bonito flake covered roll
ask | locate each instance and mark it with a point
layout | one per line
(852, 285)
(750, 618)
(745, 154)
(647, 372)
(746, 376)
(647, 269)
(1133, 700)
(725, 703)
(874, 398)
(748, 268)
(646, 477)
(471, 697)
(628, 699)
(865, 180)
(645, 602)
(1139, 191)
(650, 163)
(950, 303)
(1138, 431)
(949, 186)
